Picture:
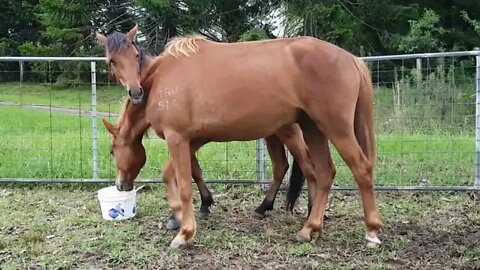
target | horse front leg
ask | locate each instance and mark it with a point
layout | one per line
(179, 148)
(205, 194)
(168, 176)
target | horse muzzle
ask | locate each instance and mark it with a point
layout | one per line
(136, 96)
(121, 186)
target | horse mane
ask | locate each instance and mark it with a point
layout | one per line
(185, 46)
(116, 41)
(121, 116)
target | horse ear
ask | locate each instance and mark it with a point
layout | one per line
(110, 127)
(132, 33)
(101, 39)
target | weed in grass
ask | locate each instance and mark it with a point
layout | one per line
(302, 250)
(116, 256)
(32, 237)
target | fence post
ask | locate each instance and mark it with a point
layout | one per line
(21, 70)
(419, 69)
(477, 120)
(95, 169)
(261, 162)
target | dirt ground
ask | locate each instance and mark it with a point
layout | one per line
(61, 228)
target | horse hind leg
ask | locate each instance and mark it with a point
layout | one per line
(279, 160)
(344, 137)
(292, 137)
(319, 170)
(362, 170)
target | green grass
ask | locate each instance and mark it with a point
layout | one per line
(109, 98)
(59, 228)
(42, 145)
(39, 144)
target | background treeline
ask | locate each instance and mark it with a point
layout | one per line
(364, 27)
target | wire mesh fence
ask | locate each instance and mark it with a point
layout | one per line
(51, 110)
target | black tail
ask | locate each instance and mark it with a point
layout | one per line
(295, 186)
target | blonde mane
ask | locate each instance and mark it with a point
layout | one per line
(183, 46)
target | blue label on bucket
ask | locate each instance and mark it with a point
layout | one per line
(117, 211)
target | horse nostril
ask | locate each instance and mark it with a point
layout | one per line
(136, 95)
(119, 186)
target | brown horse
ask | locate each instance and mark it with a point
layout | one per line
(130, 156)
(203, 91)
(129, 153)
(275, 149)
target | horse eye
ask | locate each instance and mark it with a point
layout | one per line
(111, 63)
(138, 55)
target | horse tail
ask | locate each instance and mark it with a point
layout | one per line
(295, 185)
(364, 115)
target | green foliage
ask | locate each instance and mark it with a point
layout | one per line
(340, 29)
(364, 27)
(424, 35)
(37, 49)
(216, 19)
(254, 34)
(472, 22)
(42, 71)
(431, 100)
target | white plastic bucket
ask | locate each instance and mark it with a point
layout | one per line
(117, 205)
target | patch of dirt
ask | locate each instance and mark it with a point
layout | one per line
(194, 256)
(435, 248)
(92, 261)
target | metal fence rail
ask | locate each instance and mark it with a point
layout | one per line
(428, 126)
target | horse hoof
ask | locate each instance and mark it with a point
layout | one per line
(257, 215)
(172, 224)
(302, 239)
(373, 239)
(179, 244)
(175, 245)
(203, 215)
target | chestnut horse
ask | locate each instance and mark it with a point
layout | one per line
(202, 91)
(129, 153)
(275, 149)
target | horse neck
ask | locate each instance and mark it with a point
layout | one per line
(148, 72)
(134, 124)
